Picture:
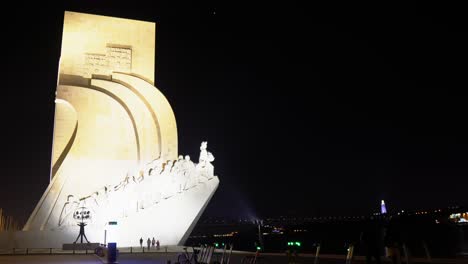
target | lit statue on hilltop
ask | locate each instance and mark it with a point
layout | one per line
(142, 188)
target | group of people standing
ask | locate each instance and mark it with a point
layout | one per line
(379, 234)
(151, 243)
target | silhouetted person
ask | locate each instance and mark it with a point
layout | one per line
(148, 243)
(141, 242)
(290, 254)
(371, 238)
(153, 242)
(392, 241)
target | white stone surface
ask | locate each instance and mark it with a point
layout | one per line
(170, 222)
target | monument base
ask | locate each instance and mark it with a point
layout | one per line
(170, 221)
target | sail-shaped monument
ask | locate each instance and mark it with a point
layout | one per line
(115, 145)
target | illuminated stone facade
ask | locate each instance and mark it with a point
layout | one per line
(115, 144)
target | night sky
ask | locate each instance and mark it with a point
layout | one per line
(307, 110)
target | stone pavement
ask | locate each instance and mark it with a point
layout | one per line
(163, 258)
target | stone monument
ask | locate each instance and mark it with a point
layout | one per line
(115, 145)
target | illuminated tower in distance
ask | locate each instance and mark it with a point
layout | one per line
(383, 209)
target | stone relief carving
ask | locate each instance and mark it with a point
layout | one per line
(142, 188)
(116, 58)
(67, 210)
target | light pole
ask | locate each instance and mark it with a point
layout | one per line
(260, 237)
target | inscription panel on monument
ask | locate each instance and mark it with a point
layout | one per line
(117, 58)
(95, 64)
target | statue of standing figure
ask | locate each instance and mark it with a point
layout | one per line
(190, 174)
(167, 186)
(204, 165)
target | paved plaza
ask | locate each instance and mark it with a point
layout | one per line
(164, 258)
(169, 254)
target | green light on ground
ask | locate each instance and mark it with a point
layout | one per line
(294, 243)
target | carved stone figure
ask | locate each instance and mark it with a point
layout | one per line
(69, 207)
(123, 183)
(190, 173)
(167, 188)
(180, 177)
(137, 191)
(204, 167)
(205, 156)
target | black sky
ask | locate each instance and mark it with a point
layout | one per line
(308, 110)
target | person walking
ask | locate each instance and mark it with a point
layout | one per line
(153, 243)
(392, 241)
(372, 239)
(157, 244)
(141, 242)
(148, 242)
